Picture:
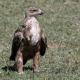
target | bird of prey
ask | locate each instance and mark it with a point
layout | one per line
(29, 41)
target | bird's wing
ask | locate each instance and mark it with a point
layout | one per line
(43, 44)
(18, 36)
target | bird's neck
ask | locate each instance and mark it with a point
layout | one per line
(29, 17)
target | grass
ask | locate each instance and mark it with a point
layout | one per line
(61, 23)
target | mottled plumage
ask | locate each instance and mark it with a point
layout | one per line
(29, 42)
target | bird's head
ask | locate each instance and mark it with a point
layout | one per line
(32, 11)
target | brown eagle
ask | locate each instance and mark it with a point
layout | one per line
(29, 41)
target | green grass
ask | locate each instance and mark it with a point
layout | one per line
(61, 23)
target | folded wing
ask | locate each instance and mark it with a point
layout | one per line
(17, 40)
(43, 45)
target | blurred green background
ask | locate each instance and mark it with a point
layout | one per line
(61, 23)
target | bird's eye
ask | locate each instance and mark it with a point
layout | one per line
(34, 10)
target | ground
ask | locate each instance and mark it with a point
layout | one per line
(61, 23)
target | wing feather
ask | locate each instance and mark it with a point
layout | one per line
(18, 36)
(43, 45)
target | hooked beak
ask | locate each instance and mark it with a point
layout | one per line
(42, 13)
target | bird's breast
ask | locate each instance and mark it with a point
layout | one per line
(34, 31)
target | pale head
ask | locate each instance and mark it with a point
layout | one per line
(32, 11)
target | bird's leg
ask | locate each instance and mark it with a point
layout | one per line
(36, 62)
(19, 62)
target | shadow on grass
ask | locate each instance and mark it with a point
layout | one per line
(11, 68)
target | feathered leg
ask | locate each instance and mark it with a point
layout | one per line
(19, 62)
(36, 62)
